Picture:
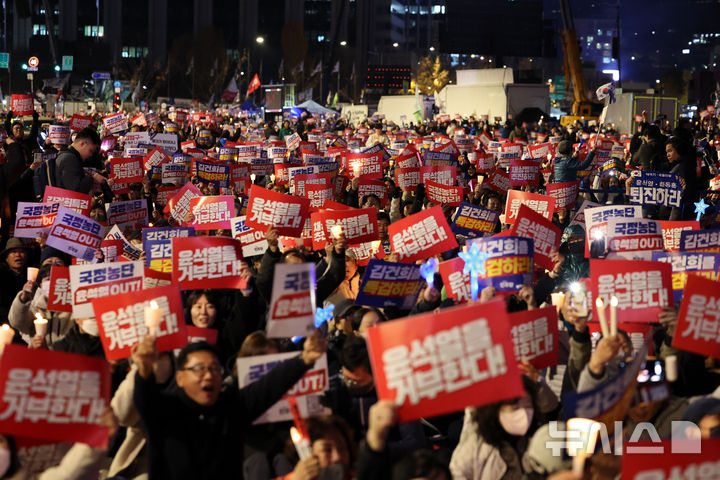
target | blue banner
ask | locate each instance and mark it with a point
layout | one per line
(656, 188)
(390, 284)
(698, 263)
(472, 221)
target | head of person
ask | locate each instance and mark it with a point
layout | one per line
(492, 202)
(202, 309)
(705, 413)
(351, 266)
(677, 148)
(390, 187)
(355, 369)
(17, 131)
(9, 459)
(505, 421)
(199, 373)
(383, 222)
(331, 442)
(136, 191)
(652, 132)
(258, 343)
(86, 143)
(564, 147)
(54, 257)
(370, 200)
(292, 255)
(15, 254)
(365, 318)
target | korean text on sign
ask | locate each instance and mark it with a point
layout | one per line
(268, 209)
(388, 283)
(207, 262)
(421, 235)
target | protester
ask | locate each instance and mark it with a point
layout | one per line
(69, 164)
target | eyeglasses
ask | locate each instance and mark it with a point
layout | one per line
(200, 370)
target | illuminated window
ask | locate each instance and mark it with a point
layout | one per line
(94, 30)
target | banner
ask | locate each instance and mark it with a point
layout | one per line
(542, 204)
(565, 194)
(365, 165)
(633, 238)
(78, 122)
(115, 123)
(132, 214)
(179, 205)
(79, 202)
(174, 173)
(596, 225)
(499, 181)
(207, 262)
(268, 209)
(390, 284)
(472, 221)
(59, 296)
(292, 307)
(421, 235)
(307, 391)
(34, 219)
(441, 362)
(357, 225)
(253, 241)
(75, 234)
(155, 157)
(53, 395)
(642, 288)
(656, 188)
(535, 336)
(91, 281)
(671, 459)
(407, 179)
(121, 320)
(671, 231)
(444, 175)
(22, 105)
(698, 263)
(127, 170)
(510, 265)
(214, 174)
(697, 327)
(129, 251)
(700, 241)
(524, 173)
(443, 194)
(545, 234)
(211, 213)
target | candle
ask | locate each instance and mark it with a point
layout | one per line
(32, 274)
(40, 325)
(6, 336)
(302, 444)
(671, 372)
(336, 231)
(600, 306)
(588, 431)
(376, 246)
(252, 177)
(153, 317)
(356, 170)
(272, 177)
(613, 315)
(558, 300)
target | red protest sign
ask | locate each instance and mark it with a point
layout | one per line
(484, 162)
(121, 320)
(442, 362)
(407, 160)
(60, 296)
(372, 187)
(541, 150)
(357, 225)
(318, 194)
(207, 262)
(499, 181)
(564, 194)
(421, 235)
(365, 165)
(524, 173)
(697, 327)
(445, 175)
(197, 334)
(53, 395)
(546, 235)
(22, 105)
(671, 459)
(155, 158)
(114, 123)
(154, 278)
(671, 231)
(407, 179)
(642, 288)
(637, 332)
(267, 209)
(535, 336)
(300, 181)
(77, 201)
(127, 170)
(542, 204)
(179, 205)
(443, 194)
(211, 213)
(78, 122)
(457, 283)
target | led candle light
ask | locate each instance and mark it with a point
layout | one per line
(613, 315)
(302, 444)
(588, 431)
(272, 177)
(40, 325)
(474, 265)
(153, 317)
(252, 177)
(427, 270)
(336, 231)
(671, 371)
(32, 274)
(601, 317)
(376, 246)
(6, 336)
(558, 300)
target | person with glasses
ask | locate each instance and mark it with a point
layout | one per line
(196, 431)
(69, 173)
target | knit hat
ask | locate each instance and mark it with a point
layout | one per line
(49, 252)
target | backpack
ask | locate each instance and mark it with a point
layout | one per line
(44, 175)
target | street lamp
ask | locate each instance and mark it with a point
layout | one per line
(260, 40)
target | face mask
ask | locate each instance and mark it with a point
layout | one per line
(516, 422)
(90, 327)
(4, 461)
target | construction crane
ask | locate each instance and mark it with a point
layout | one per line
(583, 109)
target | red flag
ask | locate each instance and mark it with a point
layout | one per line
(254, 84)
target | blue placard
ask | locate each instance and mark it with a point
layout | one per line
(656, 188)
(390, 284)
(472, 221)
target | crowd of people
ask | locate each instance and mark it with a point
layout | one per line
(181, 415)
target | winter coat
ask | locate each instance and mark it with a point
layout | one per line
(567, 166)
(22, 317)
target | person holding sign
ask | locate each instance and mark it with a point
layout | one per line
(567, 164)
(681, 156)
(69, 173)
(196, 431)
